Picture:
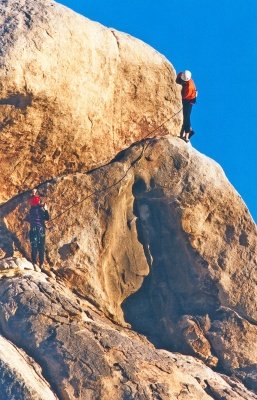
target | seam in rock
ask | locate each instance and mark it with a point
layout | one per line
(19, 348)
(53, 386)
(116, 39)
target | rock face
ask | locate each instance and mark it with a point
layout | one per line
(20, 377)
(85, 356)
(160, 233)
(73, 93)
(147, 237)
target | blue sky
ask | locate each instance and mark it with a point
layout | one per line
(217, 41)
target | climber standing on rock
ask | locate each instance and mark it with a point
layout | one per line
(37, 216)
(189, 94)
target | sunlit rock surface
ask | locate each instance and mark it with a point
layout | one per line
(149, 285)
(73, 93)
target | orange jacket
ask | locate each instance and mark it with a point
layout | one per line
(188, 88)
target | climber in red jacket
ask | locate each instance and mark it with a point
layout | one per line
(38, 215)
(189, 94)
(34, 199)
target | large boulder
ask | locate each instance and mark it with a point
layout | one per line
(153, 235)
(73, 93)
(145, 234)
(84, 356)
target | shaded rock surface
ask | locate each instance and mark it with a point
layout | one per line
(86, 356)
(150, 245)
(20, 377)
(146, 237)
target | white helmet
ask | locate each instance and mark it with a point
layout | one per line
(186, 76)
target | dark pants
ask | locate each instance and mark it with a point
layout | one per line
(187, 108)
(37, 242)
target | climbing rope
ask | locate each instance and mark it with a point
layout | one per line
(108, 188)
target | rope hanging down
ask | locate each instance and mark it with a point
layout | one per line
(108, 188)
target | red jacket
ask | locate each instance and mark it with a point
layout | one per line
(188, 88)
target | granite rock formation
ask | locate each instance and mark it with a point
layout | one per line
(20, 376)
(84, 355)
(148, 291)
(141, 242)
(78, 94)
